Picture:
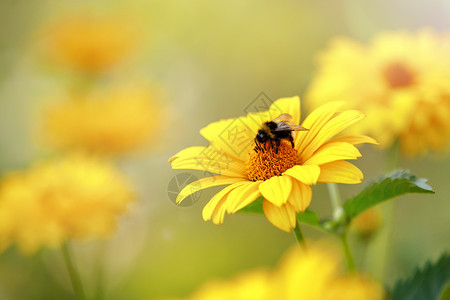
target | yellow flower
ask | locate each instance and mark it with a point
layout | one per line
(316, 275)
(249, 286)
(400, 80)
(312, 275)
(74, 197)
(88, 43)
(367, 223)
(283, 178)
(108, 122)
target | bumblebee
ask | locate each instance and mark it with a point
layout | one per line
(276, 130)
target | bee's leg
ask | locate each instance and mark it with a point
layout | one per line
(291, 139)
(278, 145)
(256, 149)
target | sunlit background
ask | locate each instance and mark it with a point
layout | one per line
(203, 61)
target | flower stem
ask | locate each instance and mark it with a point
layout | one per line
(382, 244)
(335, 197)
(347, 252)
(73, 273)
(299, 236)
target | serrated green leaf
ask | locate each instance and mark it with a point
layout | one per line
(388, 186)
(427, 283)
(308, 217)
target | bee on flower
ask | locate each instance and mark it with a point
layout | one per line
(254, 158)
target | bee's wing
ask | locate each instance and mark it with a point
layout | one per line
(289, 127)
(286, 118)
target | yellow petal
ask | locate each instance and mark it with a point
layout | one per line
(314, 122)
(355, 139)
(301, 196)
(188, 152)
(332, 152)
(288, 105)
(276, 189)
(210, 159)
(330, 129)
(234, 136)
(205, 183)
(215, 209)
(307, 174)
(283, 217)
(243, 196)
(340, 171)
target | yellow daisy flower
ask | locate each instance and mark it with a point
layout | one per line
(111, 122)
(89, 43)
(74, 197)
(281, 176)
(311, 275)
(400, 80)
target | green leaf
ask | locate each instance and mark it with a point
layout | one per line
(428, 283)
(388, 186)
(254, 208)
(308, 217)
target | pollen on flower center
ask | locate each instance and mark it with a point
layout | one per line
(398, 75)
(264, 164)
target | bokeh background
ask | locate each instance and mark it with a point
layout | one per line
(211, 59)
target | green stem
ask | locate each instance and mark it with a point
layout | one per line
(383, 242)
(335, 197)
(347, 252)
(299, 236)
(73, 273)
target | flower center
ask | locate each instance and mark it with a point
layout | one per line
(266, 163)
(398, 75)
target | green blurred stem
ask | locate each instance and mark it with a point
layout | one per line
(335, 197)
(347, 252)
(73, 273)
(299, 236)
(383, 242)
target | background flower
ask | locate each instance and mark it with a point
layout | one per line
(312, 275)
(108, 121)
(89, 43)
(75, 197)
(398, 79)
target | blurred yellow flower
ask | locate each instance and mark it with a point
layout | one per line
(73, 197)
(89, 43)
(108, 122)
(367, 223)
(400, 80)
(283, 178)
(311, 275)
